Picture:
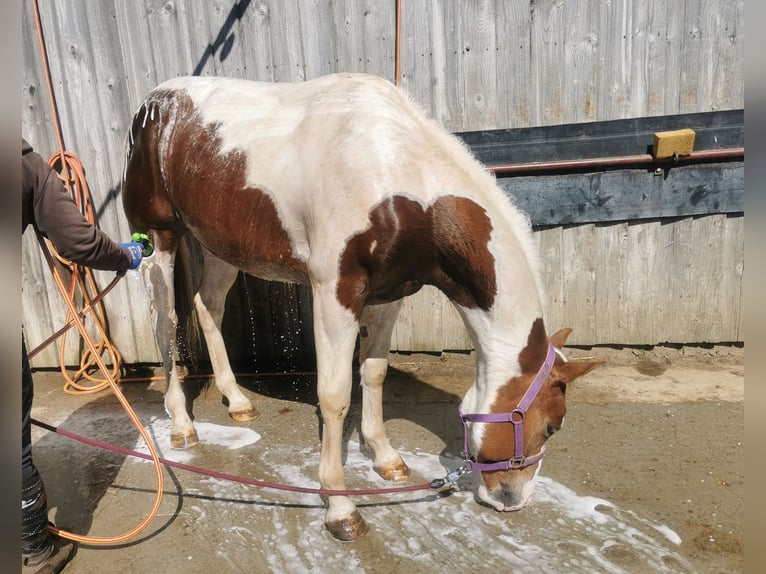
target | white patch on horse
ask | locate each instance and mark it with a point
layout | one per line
(146, 115)
(245, 118)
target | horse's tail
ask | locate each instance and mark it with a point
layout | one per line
(186, 281)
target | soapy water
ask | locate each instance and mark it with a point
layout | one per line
(560, 531)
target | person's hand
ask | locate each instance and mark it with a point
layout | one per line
(136, 252)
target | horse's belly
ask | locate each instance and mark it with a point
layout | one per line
(256, 250)
(275, 272)
(242, 226)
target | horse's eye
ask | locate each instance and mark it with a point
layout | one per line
(550, 429)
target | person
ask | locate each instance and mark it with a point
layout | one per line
(50, 209)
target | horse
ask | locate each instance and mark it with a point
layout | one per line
(343, 184)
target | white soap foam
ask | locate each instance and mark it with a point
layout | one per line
(228, 437)
(559, 531)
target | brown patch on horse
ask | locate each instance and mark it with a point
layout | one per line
(533, 355)
(406, 247)
(144, 199)
(237, 223)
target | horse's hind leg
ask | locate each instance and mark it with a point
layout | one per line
(158, 277)
(210, 301)
(377, 324)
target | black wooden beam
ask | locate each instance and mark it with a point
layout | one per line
(592, 194)
(714, 130)
(629, 194)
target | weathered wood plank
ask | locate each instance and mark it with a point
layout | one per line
(424, 318)
(707, 290)
(379, 27)
(287, 49)
(137, 51)
(641, 285)
(454, 69)
(349, 30)
(416, 57)
(110, 98)
(611, 283)
(578, 283)
(454, 336)
(549, 245)
(479, 78)
(533, 64)
(318, 33)
(213, 40)
(732, 253)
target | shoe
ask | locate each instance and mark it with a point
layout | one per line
(50, 560)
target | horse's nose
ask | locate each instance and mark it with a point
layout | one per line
(510, 497)
(504, 498)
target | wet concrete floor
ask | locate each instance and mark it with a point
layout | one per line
(626, 486)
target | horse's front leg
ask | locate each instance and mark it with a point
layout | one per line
(377, 324)
(335, 331)
(158, 277)
(210, 302)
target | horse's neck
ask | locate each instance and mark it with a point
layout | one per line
(499, 335)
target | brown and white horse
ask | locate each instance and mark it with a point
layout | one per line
(341, 183)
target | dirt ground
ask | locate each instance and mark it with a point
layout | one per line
(647, 475)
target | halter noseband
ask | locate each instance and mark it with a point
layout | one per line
(516, 418)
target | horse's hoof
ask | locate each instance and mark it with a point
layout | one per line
(184, 440)
(348, 529)
(396, 472)
(245, 415)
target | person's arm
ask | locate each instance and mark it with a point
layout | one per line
(57, 217)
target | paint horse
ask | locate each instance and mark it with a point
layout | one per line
(341, 183)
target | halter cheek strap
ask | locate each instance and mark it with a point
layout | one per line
(516, 418)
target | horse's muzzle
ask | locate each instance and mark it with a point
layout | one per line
(511, 494)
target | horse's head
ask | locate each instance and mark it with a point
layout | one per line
(526, 413)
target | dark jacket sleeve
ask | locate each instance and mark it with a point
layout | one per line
(49, 207)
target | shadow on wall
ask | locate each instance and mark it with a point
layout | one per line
(225, 38)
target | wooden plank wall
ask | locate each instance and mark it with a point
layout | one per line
(479, 64)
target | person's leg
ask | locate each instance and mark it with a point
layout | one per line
(34, 504)
(40, 551)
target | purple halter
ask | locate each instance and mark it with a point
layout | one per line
(516, 418)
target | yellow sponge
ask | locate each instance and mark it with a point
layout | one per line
(668, 144)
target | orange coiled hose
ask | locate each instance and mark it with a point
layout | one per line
(72, 175)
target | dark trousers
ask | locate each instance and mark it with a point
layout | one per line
(34, 504)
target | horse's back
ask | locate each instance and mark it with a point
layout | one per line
(351, 130)
(267, 174)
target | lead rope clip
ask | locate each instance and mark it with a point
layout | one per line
(451, 477)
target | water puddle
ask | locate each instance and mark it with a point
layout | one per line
(560, 531)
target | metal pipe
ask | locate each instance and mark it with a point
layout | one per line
(398, 45)
(601, 162)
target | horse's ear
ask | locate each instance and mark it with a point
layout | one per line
(569, 371)
(559, 338)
